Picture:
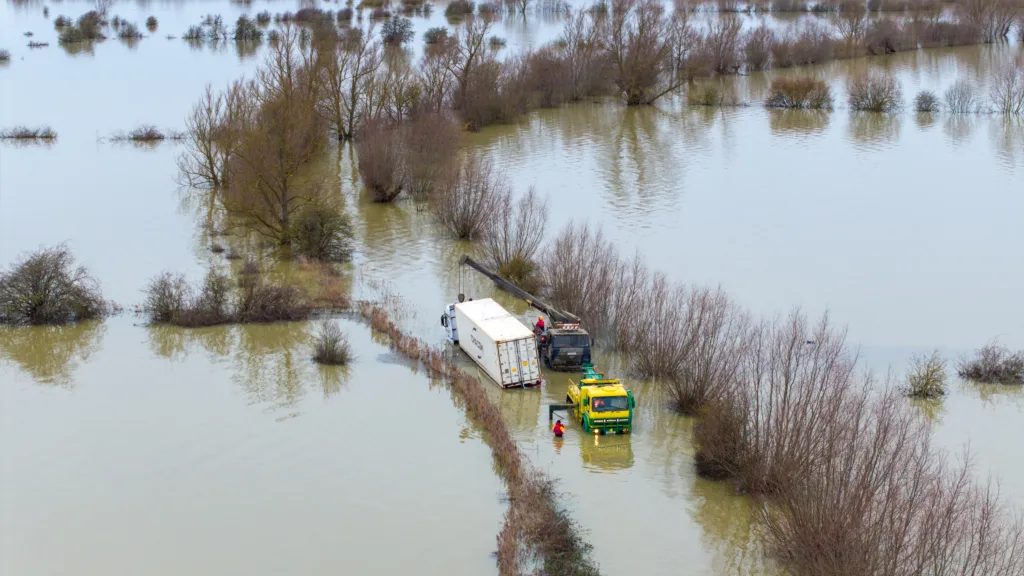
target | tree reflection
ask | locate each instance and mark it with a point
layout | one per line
(782, 122)
(51, 354)
(175, 343)
(269, 362)
(874, 127)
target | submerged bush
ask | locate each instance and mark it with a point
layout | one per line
(437, 35)
(926, 101)
(331, 345)
(87, 28)
(804, 92)
(61, 22)
(875, 92)
(45, 287)
(396, 31)
(171, 300)
(26, 133)
(927, 377)
(322, 232)
(459, 9)
(151, 23)
(5, 55)
(995, 364)
(246, 30)
(961, 98)
(263, 18)
(129, 31)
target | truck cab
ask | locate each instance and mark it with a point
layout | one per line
(602, 405)
(565, 347)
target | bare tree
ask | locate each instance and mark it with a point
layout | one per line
(961, 98)
(210, 138)
(281, 132)
(515, 235)
(468, 199)
(851, 22)
(1007, 89)
(992, 19)
(581, 49)
(646, 48)
(464, 54)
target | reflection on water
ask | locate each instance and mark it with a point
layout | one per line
(958, 128)
(51, 354)
(162, 468)
(874, 131)
(606, 453)
(798, 121)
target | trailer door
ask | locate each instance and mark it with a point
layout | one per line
(507, 364)
(528, 360)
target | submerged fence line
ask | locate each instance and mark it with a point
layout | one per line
(538, 536)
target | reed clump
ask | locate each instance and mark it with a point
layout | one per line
(800, 93)
(26, 133)
(143, 134)
(331, 345)
(5, 55)
(45, 287)
(993, 364)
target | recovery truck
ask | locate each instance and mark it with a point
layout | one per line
(563, 344)
(602, 405)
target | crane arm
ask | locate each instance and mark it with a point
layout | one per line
(555, 314)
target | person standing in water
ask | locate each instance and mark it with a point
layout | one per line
(558, 429)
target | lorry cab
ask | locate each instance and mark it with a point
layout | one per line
(602, 405)
(565, 347)
(449, 324)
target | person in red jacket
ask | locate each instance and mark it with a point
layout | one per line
(539, 326)
(558, 429)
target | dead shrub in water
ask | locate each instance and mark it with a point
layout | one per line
(5, 55)
(331, 345)
(45, 287)
(961, 98)
(151, 23)
(993, 363)
(514, 237)
(719, 436)
(467, 201)
(926, 102)
(992, 19)
(86, 28)
(25, 133)
(874, 92)
(927, 377)
(129, 31)
(806, 92)
(886, 36)
(430, 143)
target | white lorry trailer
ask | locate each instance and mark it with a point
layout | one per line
(495, 340)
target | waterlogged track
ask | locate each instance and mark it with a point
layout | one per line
(226, 451)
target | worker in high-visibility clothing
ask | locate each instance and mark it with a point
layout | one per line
(558, 429)
(539, 326)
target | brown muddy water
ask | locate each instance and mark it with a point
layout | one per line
(126, 449)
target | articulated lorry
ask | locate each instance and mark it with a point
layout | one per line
(499, 343)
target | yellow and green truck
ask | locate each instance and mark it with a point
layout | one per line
(602, 405)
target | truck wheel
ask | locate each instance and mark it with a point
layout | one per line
(586, 425)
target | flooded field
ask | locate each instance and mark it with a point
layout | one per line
(129, 449)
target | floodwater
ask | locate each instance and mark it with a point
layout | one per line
(127, 449)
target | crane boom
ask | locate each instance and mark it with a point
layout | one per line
(556, 315)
